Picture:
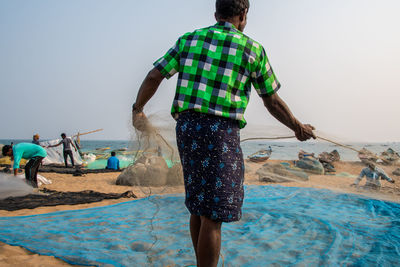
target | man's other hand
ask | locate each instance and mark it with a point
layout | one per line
(304, 132)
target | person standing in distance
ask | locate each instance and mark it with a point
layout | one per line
(216, 67)
(35, 139)
(67, 151)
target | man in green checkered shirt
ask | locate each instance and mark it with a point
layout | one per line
(216, 67)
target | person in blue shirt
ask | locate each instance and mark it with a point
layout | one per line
(34, 153)
(373, 174)
(113, 162)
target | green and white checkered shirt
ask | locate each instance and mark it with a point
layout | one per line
(217, 66)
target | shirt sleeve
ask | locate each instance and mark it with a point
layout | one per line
(168, 65)
(384, 176)
(263, 77)
(358, 179)
(17, 158)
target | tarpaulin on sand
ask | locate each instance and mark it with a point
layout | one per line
(280, 226)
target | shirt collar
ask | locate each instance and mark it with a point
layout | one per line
(225, 24)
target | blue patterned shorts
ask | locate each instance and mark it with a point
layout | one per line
(213, 167)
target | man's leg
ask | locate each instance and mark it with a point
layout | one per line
(195, 224)
(31, 171)
(35, 168)
(65, 154)
(209, 243)
(28, 171)
(72, 158)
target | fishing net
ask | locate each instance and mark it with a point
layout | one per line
(281, 226)
(46, 198)
(13, 187)
(156, 167)
(161, 234)
(156, 163)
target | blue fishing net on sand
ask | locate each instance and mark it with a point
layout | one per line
(281, 226)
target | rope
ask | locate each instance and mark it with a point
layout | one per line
(267, 138)
(338, 144)
(292, 136)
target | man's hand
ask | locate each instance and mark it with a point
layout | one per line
(278, 108)
(304, 132)
(392, 181)
(140, 121)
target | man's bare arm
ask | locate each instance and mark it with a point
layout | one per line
(278, 108)
(55, 145)
(146, 91)
(148, 88)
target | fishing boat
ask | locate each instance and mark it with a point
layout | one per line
(260, 156)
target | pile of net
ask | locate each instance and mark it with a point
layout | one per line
(48, 197)
(156, 160)
(11, 187)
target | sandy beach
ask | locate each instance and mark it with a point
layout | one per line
(105, 182)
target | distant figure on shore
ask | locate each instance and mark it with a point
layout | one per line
(217, 66)
(373, 175)
(35, 139)
(112, 162)
(33, 152)
(67, 151)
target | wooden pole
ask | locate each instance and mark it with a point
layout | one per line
(94, 131)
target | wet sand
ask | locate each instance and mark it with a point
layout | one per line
(105, 182)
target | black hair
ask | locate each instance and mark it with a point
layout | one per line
(63, 134)
(5, 149)
(113, 153)
(226, 9)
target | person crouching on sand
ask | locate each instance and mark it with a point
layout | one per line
(217, 66)
(33, 152)
(373, 175)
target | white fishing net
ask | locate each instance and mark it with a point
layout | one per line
(11, 186)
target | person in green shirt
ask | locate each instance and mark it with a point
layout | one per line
(216, 66)
(34, 153)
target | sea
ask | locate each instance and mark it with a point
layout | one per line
(280, 150)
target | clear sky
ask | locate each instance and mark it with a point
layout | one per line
(68, 66)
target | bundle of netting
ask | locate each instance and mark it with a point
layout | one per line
(156, 162)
